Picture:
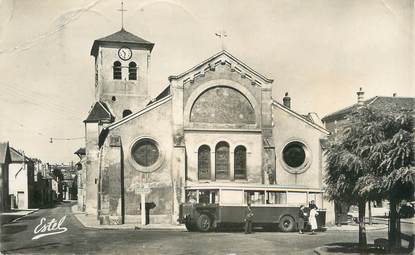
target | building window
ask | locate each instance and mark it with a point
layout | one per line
(132, 71)
(296, 157)
(240, 162)
(117, 70)
(222, 160)
(145, 152)
(125, 113)
(203, 162)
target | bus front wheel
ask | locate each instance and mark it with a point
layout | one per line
(286, 224)
(204, 223)
(190, 227)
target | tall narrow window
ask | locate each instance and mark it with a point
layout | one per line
(203, 162)
(222, 160)
(117, 70)
(132, 71)
(240, 162)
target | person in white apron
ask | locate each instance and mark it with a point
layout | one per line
(312, 219)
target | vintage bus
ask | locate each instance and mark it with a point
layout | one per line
(209, 208)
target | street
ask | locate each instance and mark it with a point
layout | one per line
(17, 238)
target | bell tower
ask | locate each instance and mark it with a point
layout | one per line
(122, 61)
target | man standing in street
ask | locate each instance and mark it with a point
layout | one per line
(249, 215)
(302, 216)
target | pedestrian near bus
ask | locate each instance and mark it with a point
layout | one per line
(312, 219)
(249, 215)
(302, 216)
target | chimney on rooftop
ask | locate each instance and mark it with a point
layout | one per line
(360, 96)
(287, 101)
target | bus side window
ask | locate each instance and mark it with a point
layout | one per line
(208, 197)
(254, 197)
(277, 197)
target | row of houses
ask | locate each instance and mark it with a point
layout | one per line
(29, 183)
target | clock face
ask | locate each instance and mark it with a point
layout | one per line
(125, 53)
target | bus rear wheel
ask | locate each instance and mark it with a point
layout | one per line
(286, 224)
(204, 223)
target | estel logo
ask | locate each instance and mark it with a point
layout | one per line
(52, 227)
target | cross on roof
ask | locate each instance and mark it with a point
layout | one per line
(222, 34)
(122, 10)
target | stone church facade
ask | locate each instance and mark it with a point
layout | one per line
(215, 124)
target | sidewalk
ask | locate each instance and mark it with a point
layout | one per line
(353, 249)
(90, 221)
(15, 215)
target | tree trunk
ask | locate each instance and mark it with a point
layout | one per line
(362, 228)
(370, 212)
(394, 229)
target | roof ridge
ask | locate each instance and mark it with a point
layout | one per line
(367, 102)
(139, 113)
(209, 59)
(298, 115)
(121, 37)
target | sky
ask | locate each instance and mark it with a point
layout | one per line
(319, 51)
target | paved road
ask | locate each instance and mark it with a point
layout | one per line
(17, 238)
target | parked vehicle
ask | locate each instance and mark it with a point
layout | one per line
(407, 211)
(274, 208)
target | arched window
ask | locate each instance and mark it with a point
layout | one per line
(240, 162)
(203, 162)
(117, 70)
(222, 160)
(132, 71)
(126, 113)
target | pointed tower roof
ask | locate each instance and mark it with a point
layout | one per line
(99, 113)
(121, 36)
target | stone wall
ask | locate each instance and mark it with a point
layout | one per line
(129, 94)
(289, 128)
(155, 125)
(91, 168)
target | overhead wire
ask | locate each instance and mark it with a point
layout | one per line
(42, 104)
(47, 101)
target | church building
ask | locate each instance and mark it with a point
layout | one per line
(216, 124)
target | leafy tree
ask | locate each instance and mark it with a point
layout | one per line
(372, 159)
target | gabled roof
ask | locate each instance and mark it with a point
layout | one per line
(221, 58)
(18, 157)
(121, 36)
(5, 153)
(300, 117)
(139, 113)
(397, 103)
(99, 113)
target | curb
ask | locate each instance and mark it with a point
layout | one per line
(357, 229)
(317, 251)
(122, 227)
(31, 211)
(402, 221)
